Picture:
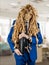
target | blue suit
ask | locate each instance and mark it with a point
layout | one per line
(31, 57)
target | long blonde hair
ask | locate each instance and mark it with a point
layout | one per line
(20, 23)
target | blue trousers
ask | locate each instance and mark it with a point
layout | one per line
(23, 59)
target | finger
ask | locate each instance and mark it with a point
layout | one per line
(20, 53)
(17, 53)
(25, 47)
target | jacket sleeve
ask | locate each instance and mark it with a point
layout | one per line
(39, 36)
(11, 44)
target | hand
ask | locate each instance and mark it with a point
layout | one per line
(17, 52)
(23, 35)
(30, 39)
(26, 36)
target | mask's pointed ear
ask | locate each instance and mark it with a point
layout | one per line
(13, 22)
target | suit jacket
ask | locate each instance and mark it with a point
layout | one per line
(33, 51)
